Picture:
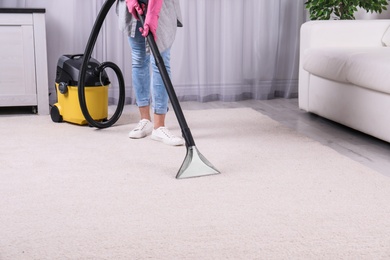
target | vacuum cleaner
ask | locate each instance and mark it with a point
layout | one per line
(67, 107)
(194, 164)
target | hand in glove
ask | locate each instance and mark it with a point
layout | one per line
(151, 20)
(134, 8)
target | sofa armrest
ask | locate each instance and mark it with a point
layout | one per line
(336, 33)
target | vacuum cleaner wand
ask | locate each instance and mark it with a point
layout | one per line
(194, 164)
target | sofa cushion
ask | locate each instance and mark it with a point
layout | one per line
(366, 67)
(370, 69)
(328, 62)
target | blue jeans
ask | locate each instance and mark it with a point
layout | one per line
(141, 75)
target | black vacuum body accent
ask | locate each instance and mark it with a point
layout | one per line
(68, 70)
(67, 107)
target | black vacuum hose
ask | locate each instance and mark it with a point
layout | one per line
(81, 81)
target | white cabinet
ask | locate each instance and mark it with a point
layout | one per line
(23, 59)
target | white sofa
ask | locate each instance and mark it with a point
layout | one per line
(344, 73)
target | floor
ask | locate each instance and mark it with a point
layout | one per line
(372, 152)
(365, 149)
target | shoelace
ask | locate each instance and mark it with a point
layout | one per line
(166, 132)
(141, 125)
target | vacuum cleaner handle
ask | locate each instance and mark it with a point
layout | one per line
(145, 2)
(144, 5)
(76, 56)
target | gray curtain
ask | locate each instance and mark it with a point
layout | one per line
(227, 50)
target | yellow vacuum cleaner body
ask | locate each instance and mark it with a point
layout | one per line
(67, 107)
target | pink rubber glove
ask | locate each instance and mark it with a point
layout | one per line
(151, 20)
(134, 8)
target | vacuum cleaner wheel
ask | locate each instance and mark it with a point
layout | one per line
(55, 114)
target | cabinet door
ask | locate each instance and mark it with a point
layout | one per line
(17, 66)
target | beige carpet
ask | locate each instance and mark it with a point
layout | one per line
(71, 192)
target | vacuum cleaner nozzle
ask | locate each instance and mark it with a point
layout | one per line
(195, 165)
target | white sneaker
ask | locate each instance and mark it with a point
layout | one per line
(162, 134)
(144, 128)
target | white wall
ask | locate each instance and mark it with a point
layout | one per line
(362, 14)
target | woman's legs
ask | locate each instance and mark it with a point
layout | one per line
(141, 84)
